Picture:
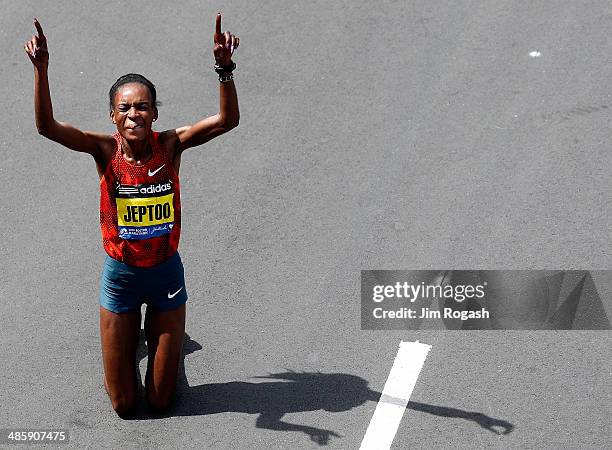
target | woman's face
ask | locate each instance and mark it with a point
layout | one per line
(133, 111)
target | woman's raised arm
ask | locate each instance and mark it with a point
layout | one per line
(96, 144)
(229, 114)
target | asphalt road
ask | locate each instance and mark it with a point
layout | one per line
(373, 135)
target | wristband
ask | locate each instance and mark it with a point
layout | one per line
(226, 78)
(224, 69)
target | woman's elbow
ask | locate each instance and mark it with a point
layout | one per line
(230, 122)
(44, 131)
(234, 123)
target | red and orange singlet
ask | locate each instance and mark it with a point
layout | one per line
(140, 207)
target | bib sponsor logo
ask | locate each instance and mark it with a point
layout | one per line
(142, 213)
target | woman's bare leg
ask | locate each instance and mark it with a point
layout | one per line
(119, 336)
(165, 332)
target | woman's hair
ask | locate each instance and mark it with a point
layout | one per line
(132, 78)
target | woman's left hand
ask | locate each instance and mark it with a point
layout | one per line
(225, 45)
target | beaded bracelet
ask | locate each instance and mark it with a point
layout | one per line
(226, 78)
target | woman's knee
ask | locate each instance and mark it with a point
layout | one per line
(123, 398)
(159, 402)
(124, 404)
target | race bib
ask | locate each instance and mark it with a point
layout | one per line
(145, 210)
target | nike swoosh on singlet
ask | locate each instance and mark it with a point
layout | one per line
(156, 170)
(173, 295)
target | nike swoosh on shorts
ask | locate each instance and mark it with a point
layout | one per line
(173, 295)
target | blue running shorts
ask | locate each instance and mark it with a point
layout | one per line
(124, 288)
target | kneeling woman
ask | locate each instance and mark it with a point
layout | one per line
(140, 218)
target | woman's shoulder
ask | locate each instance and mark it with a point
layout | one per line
(167, 139)
(108, 147)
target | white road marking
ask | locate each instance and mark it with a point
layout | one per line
(395, 395)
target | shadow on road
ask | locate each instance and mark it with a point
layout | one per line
(292, 392)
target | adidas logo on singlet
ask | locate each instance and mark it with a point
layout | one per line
(155, 188)
(146, 189)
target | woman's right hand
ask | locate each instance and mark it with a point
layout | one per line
(36, 48)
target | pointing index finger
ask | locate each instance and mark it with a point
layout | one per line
(218, 24)
(38, 28)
